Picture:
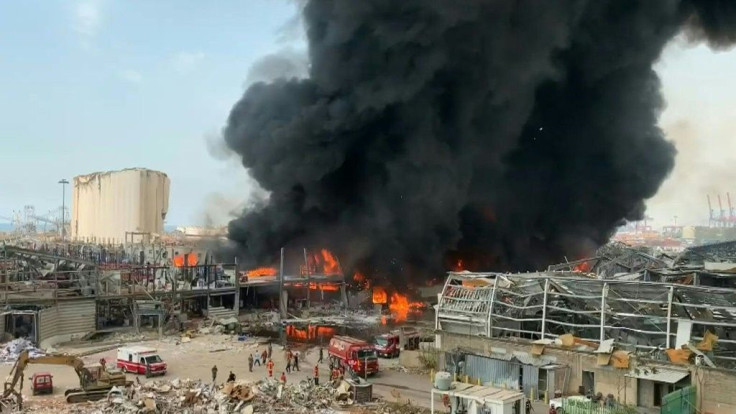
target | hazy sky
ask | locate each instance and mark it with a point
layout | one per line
(96, 85)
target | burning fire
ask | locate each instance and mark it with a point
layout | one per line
(311, 332)
(379, 295)
(358, 277)
(458, 266)
(583, 267)
(261, 271)
(190, 260)
(324, 263)
(327, 287)
(400, 306)
(330, 266)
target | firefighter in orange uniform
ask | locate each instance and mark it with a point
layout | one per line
(269, 365)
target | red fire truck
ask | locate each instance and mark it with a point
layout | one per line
(354, 354)
(389, 345)
(140, 360)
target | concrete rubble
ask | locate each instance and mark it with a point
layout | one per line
(10, 351)
(197, 397)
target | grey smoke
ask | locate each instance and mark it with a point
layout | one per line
(287, 63)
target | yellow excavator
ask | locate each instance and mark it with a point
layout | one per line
(95, 381)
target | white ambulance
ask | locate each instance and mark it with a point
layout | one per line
(141, 360)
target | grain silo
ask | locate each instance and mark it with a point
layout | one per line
(108, 205)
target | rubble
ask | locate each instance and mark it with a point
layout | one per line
(10, 351)
(195, 396)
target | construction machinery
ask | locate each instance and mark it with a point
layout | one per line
(95, 380)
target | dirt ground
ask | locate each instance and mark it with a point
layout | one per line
(195, 360)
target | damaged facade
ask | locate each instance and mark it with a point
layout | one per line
(59, 292)
(626, 331)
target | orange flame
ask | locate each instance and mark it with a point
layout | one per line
(384, 320)
(327, 287)
(379, 295)
(330, 266)
(311, 332)
(185, 260)
(583, 267)
(261, 271)
(358, 277)
(458, 266)
(400, 306)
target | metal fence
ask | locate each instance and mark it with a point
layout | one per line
(585, 406)
(679, 402)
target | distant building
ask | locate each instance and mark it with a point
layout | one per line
(202, 232)
(109, 206)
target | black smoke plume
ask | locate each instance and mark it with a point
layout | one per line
(506, 134)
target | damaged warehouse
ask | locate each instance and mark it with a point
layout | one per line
(148, 286)
(75, 293)
(554, 333)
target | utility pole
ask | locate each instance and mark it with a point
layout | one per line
(63, 183)
(309, 287)
(282, 304)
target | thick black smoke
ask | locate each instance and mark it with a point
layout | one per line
(508, 134)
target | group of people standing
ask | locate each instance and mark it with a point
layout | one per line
(292, 364)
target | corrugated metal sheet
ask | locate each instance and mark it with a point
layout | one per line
(530, 380)
(670, 376)
(67, 318)
(76, 316)
(106, 205)
(463, 328)
(492, 371)
(47, 322)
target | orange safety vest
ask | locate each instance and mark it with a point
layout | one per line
(270, 368)
(316, 371)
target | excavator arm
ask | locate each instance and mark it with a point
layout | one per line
(16, 374)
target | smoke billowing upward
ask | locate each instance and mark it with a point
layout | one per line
(508, 134)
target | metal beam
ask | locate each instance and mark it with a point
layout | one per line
(604, 293)
(544, 307)
(669, 315)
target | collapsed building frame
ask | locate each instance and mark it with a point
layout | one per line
(647, 317)
(52, 295)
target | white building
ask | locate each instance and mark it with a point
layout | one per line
(108, 205)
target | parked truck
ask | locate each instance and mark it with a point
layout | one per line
(389, 345)
(354, 354)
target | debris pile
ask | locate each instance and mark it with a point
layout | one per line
(194, 396)
(10, 351)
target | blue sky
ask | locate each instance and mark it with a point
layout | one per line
(93, 85)
(96, 85)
